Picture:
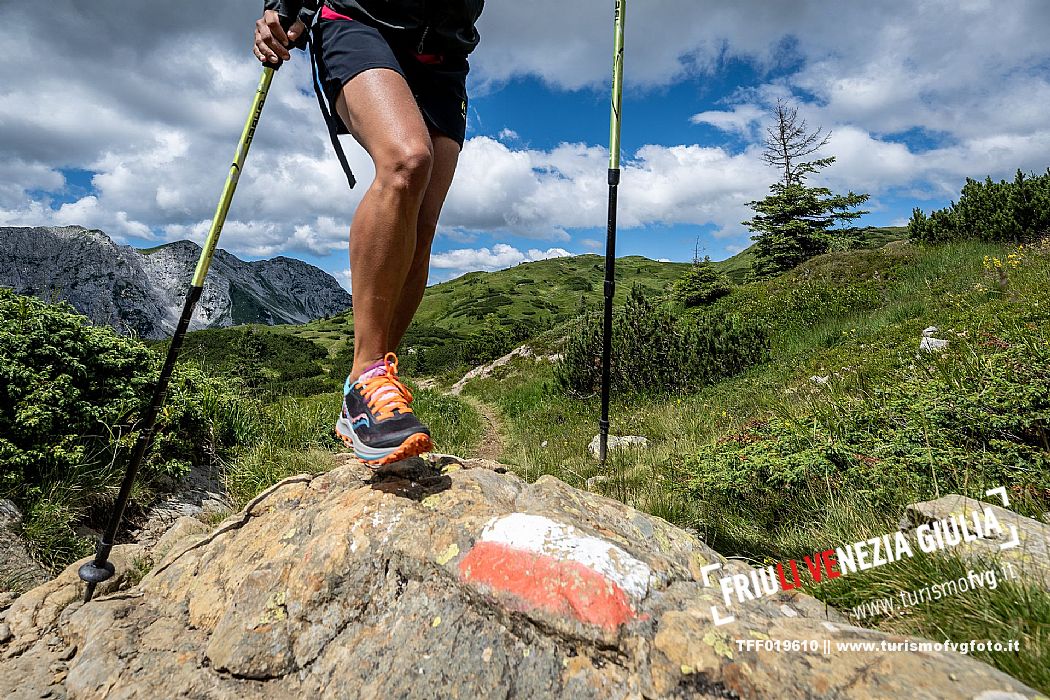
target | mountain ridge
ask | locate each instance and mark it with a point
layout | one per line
(141, 292)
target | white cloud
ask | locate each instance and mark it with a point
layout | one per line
(498, 257)
(741, 120)
(155, 109)
(539, 194)
(550, 253)
(345, 277)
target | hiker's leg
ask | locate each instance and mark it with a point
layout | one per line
(381, 113)
(446, 156)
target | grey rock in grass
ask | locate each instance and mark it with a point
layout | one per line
(197, 495)
(928, 343)
(9, 513)
(487, 369)
(447, 580)
(1031, 555)
(616, 442)
(932, 344)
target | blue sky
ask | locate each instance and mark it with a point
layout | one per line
(133, 135)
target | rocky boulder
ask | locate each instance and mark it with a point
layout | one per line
(18, 570)
(1023, 543)
(616, 442)
(446, 579)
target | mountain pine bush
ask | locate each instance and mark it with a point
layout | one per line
(70, 394)
(654, 351)
(700, 285)
(1000, 212)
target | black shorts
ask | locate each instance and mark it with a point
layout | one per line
(438, 82)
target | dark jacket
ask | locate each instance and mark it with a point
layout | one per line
(433, 26)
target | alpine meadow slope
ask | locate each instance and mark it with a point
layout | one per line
(845, 423)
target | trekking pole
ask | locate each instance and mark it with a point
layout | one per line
(610, 243)
(100, 568)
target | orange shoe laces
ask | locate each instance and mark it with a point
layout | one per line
(385, 393)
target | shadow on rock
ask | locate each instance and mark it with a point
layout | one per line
(413, 478)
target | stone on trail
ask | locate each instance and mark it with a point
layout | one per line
(932, 345)
(446, 579)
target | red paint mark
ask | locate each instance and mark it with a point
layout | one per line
(552, 585)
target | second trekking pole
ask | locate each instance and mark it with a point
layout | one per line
(610, 243)
(100, 568)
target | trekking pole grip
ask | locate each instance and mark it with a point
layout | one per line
(287, 21)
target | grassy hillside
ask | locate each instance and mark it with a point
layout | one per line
(846, 423)
(548, 292)
(738, 267)
(509, 306)
(538, 293)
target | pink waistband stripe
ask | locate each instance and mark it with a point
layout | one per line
(329, 13)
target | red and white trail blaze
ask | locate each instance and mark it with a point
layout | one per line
(547, 565)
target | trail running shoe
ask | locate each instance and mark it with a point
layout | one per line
(377, 421)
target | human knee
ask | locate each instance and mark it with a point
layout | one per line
(407, 167)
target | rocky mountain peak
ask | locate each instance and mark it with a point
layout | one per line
(141, 291)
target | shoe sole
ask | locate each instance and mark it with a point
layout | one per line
(412, 446)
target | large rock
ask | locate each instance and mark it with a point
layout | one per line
(616, 442)
(449, 581)
(1030, 556)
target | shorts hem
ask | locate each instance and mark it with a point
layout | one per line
(358, 70)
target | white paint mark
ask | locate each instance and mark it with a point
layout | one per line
(541, 535)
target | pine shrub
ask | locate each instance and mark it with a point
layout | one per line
(702, 284)
(655, 351)
(70, 396)
(999, 212)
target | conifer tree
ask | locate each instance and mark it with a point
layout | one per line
(795, 222)
(702, 284)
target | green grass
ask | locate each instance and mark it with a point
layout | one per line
(770, 465)
(1013, 610)
(455, 425)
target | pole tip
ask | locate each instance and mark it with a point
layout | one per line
(93, 574)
